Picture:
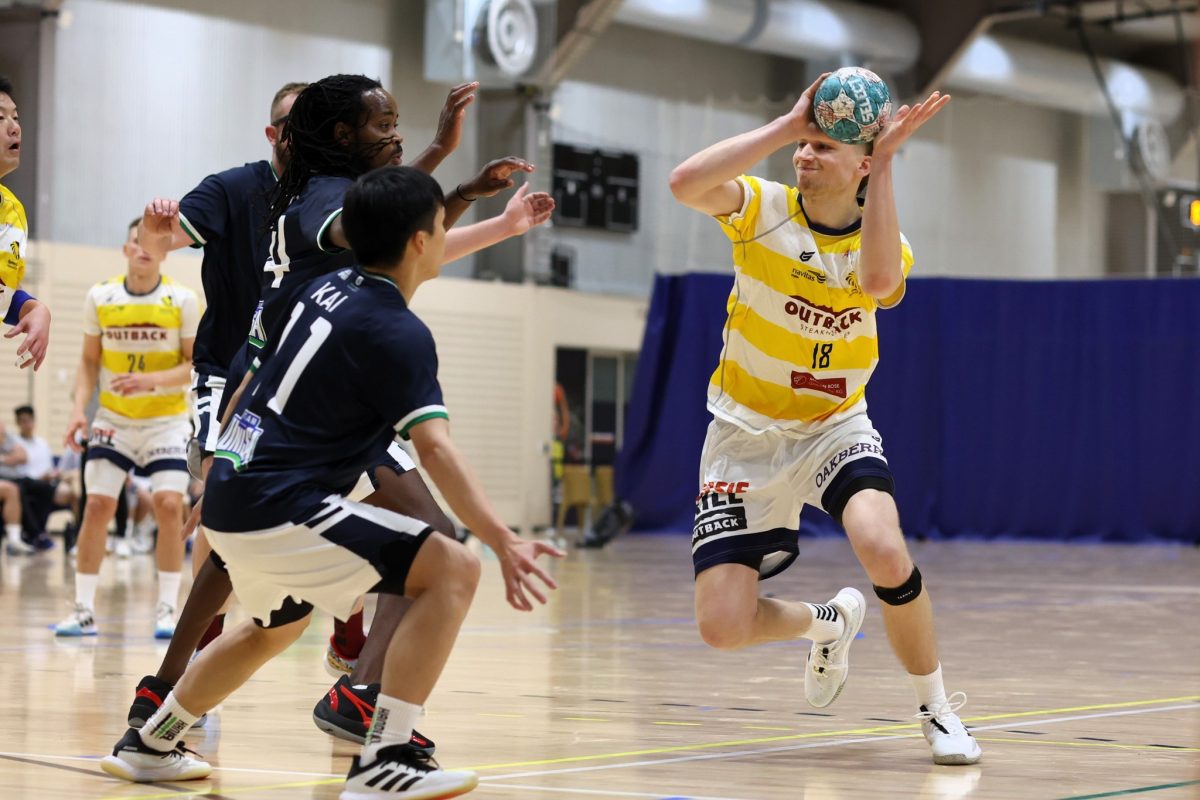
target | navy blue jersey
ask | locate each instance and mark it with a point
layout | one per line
(351, 367)
(299, 252)
(225, 215)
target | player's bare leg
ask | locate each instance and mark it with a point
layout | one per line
(93, 532)
(168, 513)
(873, 526)
(731, 615)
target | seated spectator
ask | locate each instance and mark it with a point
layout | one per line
(12, 456)
(38, 478)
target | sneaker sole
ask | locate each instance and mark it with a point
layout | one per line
(337, 668)
(73, 634)
(119, 769)
(336, 731)
(849, 634)
(432, 794)
(958, 759)
(164, 634)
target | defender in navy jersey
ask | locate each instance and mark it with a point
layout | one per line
(230, 232)
(340, 128)
(292, 542)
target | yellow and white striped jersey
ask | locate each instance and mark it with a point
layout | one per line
(141, 333)
(14, 236)
(800, 340)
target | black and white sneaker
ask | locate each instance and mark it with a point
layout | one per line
(952, 743)
(132, 761)
(401, 772)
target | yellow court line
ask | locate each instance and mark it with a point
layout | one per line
(1116, 745)
(702, 746)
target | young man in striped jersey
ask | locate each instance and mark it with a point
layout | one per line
(139, 329)
(17, 307)
(812, 265)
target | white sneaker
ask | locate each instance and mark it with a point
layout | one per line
(18, 547)
(140, 545)
(164, 621)
(829, 664)
(401, 772)
(951, 742)
(121, 548)
(82, 622)
(133, 761)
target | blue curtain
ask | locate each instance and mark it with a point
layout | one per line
(1008, 409)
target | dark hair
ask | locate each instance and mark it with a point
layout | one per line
(6, 87)
(862, 185)
(309, 137)
(287, 89)
(136, 221)
(19, 410)
(385, 208)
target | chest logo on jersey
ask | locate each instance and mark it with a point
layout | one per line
(822, 320)
(143, 332)
(328, 297)
(238, 441)
(806, 255)
(810, 275)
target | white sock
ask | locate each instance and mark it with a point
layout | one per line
(168, 587)
(145, 528)
(85, 589)
(13, 532)
(392, 724)
(827, 624)
(930, 691)
(165, 726)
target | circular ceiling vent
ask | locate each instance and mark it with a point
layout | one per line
(509, 35)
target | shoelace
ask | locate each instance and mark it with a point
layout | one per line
(937, 714)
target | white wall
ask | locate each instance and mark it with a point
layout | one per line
(150, 98)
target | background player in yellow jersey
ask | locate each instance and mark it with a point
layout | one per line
(17, 307)
(138, 334)
(812, 265)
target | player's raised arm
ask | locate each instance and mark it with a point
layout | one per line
(454, 477)
(160, 231)
(880, 264)
(495, 177)
(707, 181)
(523, 211)
(449, 130)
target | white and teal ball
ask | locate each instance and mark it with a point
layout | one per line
(852, 105)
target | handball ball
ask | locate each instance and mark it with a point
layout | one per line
(852, 105)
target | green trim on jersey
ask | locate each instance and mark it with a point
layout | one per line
(423, 418)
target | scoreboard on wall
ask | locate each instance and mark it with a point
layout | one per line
(595, 188)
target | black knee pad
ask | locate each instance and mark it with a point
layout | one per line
(904, 593)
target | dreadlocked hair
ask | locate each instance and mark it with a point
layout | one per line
(309, 137)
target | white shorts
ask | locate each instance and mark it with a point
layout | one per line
(339, 552)
(118, 444)
(753, 487)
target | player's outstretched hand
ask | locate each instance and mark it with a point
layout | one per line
(519, 564)
(801, 120)
(526, 210)
(904, 123)
(496, 176)
(159, 216)
(77, 429)
(36, 327)
(450, 121)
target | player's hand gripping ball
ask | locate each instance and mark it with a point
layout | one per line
(852, 105)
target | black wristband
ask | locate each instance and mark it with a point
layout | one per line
(458, 191)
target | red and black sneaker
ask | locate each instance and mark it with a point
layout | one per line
(345, 713)
(151, 692)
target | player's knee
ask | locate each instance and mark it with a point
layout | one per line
(883, 554)
(100, 504)
(457, 568)
(170, 503)
(722, 628)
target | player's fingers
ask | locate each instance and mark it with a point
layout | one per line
(20, 327)
(521, 192)
(542, 575)
(531, 587)
(812, 89)
(544, 548)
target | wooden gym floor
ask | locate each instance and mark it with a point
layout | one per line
(1082, 664)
